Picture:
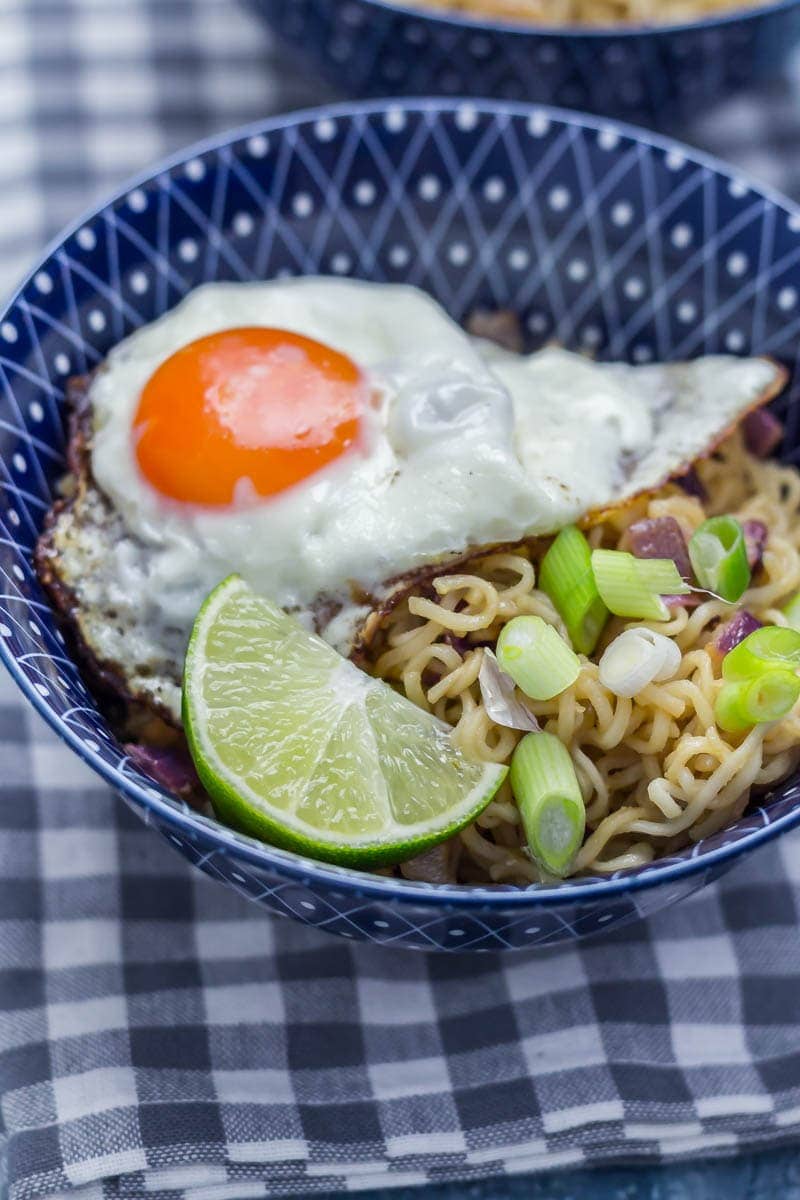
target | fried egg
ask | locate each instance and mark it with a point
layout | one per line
(323, 437)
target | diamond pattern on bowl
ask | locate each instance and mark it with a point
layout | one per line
(599, 237)
(658, 76)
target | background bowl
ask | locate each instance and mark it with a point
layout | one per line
(598, 235)
(658, 76)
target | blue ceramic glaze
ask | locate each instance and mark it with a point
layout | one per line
(657, 76)
(597, 234)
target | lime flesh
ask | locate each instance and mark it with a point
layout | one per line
(297, 746)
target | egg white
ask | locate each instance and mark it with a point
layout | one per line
(465, 447)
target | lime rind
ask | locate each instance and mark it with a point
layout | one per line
(297, 746)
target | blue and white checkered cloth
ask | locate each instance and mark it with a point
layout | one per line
(162, 1038)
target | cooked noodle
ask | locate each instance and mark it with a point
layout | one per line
(655, 772)
(590, 12)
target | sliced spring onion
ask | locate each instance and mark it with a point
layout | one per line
(566, 576)
(662, 575)
(671, 651)
(536, 657)
(763, 650)
(718, 552)
(500, 698)
(741, 705)
(791, 610)
(633, 587)
(636, 658)
(547, 791)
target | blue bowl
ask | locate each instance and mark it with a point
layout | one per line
(597, 234)
(656, 75)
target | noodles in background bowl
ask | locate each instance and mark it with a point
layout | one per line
(599, 13)
(654, 770)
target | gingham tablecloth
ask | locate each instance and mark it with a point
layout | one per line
(162, 1038)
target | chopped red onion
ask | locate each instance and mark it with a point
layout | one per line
(690, 600)
(734, 631)
(432, 866)
(762, 432)
(755, 540)
(171, 766)
(500, 698)
(659, 537)
(501, 327)
(691, 483)
(460, 644)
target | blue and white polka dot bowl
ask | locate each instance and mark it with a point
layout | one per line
(657, 75)
(598, 235)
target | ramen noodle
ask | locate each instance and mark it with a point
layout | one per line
(655, 772)
(590, 12)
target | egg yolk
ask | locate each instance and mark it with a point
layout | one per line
(246, 413)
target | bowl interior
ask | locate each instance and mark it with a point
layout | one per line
(598, 236)
(483, 20)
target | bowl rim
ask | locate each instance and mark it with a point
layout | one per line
(484, 24)
(295, 867)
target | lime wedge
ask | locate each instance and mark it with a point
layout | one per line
(299, 747)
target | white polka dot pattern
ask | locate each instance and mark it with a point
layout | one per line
(660, 77)
(543, 219)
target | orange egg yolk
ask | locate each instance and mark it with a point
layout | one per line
(246, 413)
